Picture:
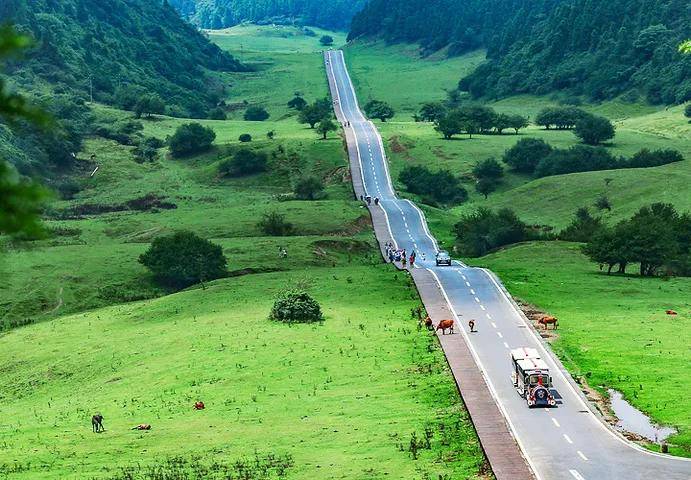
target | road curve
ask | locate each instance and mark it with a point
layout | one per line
(570, 441)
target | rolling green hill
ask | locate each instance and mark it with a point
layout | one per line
(117, 47)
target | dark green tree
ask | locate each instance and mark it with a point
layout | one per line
(489, 169)
(190, 138)
(479, 232)
(297, 102)
(326, 40)
(309, 188)
(485, 186)
(183, 259)
(448, 125)
(593, 129)
(583, 227)
(526, 154)
(315, 112)
(149, 105)
(217, 114)
(432, 111)
(379, 109)
(245, 138)
(325, 126)
(256, 114)
(296, 306)
(517, 122)
(244, 162)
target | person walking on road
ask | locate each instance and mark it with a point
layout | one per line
(376, 200)
(471, 324)
(369, 200)
(412, 258)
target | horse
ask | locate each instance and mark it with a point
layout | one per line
(97, 423)
(444, 325)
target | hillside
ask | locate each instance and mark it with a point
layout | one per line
(121, 49)
(584, 48)
(333, 14)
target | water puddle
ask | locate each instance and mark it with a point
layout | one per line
(634, 421)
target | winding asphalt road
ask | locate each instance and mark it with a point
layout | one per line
(569, 441)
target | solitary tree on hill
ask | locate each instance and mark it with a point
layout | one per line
(593, 130)
(326, 40)
(326, 125)
(379, 109)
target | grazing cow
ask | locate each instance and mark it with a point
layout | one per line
(445, 325)
(428, 323)
(547, 320)
(142, 426)
(670, 312)
(97, 423)
(199, 406)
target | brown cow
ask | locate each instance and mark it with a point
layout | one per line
(142, 426)
(444, 325)
(428, 323)
(199, 406)
(547, 320)
(670, 312)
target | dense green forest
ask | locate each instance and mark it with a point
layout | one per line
(120, 48)
(598, 50)
(135, 54)
(332, 14)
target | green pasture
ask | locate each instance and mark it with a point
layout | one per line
(343, 396)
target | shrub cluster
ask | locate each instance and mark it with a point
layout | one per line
(536, 157)
(440, 187)
(484, 230)
(471, 119)
(243, 162)
(296, 306)
(656, 236)
(275, 224)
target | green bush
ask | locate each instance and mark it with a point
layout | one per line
(440, 187)
(183, 259)
(275, 224)
(296, 306)
(309, 188)
(243, 162)
(525, 155)
(256, 114)
(482, 231)
(191, 138)
(593, 129)
(326, 40)
(217, 114)
(245, 138)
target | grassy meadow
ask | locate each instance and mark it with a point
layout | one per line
(85, 329)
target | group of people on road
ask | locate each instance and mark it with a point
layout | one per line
(369, 200)
(345, 124)
(394, 254)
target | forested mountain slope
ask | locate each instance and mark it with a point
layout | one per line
(120, 47)
(334, 14)
(586, 47)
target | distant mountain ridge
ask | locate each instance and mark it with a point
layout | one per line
(114, 44)
(596, 49)
(330, 14)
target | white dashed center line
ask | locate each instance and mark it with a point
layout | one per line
(477, 300)
(494, 325)
(576, 475)
(482, 307)
(489, 316)
(566, 437)
(500, 335)
(580, 454)
(554, 421)
(472, 292)
(506, 345)
(467, 284)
